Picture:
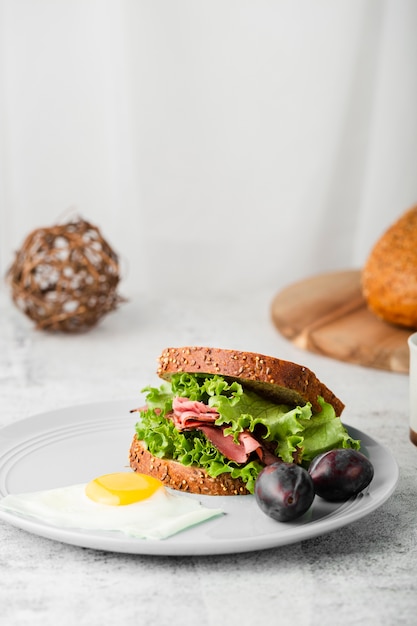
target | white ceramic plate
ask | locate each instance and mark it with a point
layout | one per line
(74, 445)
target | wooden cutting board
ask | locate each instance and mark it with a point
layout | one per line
(327, 314)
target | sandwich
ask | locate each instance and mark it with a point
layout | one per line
(220, 416)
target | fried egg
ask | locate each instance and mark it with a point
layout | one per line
(126, 502)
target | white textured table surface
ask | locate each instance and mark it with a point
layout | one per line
(364, 573)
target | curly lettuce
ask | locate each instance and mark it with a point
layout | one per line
(163, 440)
(294, 432)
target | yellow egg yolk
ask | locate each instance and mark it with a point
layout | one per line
(122, 488)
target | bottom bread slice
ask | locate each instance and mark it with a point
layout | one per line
(181, 477)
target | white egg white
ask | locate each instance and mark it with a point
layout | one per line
(161, 515)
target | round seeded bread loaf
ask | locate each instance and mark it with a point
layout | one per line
(389, 276)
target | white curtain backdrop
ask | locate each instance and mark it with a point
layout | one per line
(219, 144)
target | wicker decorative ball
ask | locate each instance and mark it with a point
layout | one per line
(65, 277)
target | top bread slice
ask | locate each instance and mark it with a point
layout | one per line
(280, 381)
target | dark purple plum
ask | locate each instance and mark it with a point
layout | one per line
(340, 474)
(284, 491)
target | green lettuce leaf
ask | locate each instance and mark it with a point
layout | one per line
(203, 387)
(324, 431)
(159, 397)
(297, 433)
(163, 440)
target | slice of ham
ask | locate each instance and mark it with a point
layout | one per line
(238, 452)
(187, 412)
(194, 415)
(144, 408)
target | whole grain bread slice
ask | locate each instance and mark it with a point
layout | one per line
(283, 382)
(182, 477)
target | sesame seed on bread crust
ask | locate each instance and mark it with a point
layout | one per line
(281, 381)
(181, 477)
